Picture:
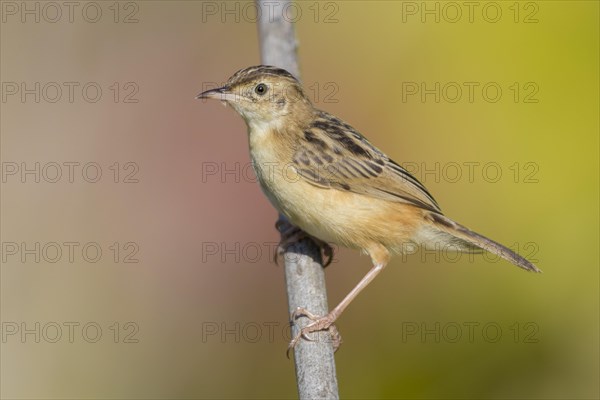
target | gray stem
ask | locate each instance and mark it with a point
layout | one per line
(304, 274)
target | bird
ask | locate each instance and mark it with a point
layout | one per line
(334, 185)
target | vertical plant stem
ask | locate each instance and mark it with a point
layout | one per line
(304, 274)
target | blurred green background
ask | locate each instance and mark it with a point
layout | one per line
(203, 313)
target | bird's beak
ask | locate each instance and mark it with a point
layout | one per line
(222, 93)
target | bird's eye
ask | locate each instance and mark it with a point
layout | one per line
(260, 89)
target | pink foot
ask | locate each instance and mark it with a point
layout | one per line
(325, 323)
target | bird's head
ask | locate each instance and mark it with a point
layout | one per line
(263, 95)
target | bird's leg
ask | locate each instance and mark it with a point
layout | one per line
(326, 322)
(291, 234)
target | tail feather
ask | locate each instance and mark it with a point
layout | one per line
(473, 238)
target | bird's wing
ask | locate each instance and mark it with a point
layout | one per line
(334, 155)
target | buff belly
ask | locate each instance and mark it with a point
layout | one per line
(341, 217)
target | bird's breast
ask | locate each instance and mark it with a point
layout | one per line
(273, 171)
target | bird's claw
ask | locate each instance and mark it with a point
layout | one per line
(291, 234)
(325, 323)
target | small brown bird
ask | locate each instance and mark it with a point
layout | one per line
(331, 182)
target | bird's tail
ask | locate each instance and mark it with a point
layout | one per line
(475, 240)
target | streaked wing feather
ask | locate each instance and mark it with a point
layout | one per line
(332, 154)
